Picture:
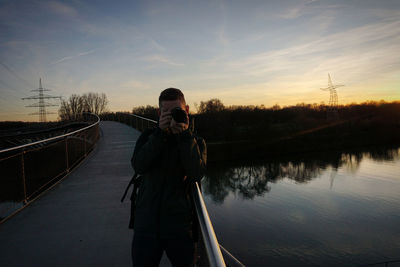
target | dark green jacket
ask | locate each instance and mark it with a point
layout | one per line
(168, 164)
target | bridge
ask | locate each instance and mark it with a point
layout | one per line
(79, 219)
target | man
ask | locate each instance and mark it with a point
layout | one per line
(169, 158)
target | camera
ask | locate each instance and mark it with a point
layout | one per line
(179, 115)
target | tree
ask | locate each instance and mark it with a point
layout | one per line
(210, 106)
(276, 107)
(73, 108)
(146, 111)
(65, 111)
(95, 103)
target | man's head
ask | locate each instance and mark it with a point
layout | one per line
(171, 98)
(170, 94)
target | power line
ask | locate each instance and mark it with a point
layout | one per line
(15, 74)
(7, 89)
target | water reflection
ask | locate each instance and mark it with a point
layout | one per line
(250, 179)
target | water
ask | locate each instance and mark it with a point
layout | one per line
(336, 209)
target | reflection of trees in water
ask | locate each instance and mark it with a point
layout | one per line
(383, 154)
(252, 179)
(351, 161)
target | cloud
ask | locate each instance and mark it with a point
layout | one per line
(61, 9)
(364, 58)
(293, 12)
(355, 49)
(75, 56)
(221, 33)
(156, 44)
(136, 84)
(162, 59)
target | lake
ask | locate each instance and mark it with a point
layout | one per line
(332, 209)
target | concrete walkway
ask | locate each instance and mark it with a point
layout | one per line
(81, 221)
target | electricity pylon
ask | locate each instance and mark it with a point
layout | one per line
(41, 104)
(332, 112)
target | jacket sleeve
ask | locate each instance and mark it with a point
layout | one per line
(193, 154)
(147, 150)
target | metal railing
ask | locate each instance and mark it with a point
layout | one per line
(138, 122)
(29, 169)
(215, 252)
(211, 244)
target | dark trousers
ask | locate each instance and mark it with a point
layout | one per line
(147, 251)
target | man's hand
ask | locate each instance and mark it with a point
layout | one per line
(165, 121)
(177, 128)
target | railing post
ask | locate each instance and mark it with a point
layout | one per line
(23, 175)
(84, 143)
(66, 154)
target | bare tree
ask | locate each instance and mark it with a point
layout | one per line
(73, 108)
(65, 110)
(76, 106)
(95, 102)
(146, 111)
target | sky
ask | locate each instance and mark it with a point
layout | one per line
(241, 52)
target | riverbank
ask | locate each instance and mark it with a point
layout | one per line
(336, 136)
(258, 133)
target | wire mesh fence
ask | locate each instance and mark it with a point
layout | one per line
(28, 170)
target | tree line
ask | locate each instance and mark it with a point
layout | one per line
(217, 122)
(73, 108)
(237, 130)
(234, 132)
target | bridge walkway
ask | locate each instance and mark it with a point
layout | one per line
(80, 221)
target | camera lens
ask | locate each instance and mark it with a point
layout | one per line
(179, 115)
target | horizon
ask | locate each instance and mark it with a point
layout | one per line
(227, 107)
(252, 53)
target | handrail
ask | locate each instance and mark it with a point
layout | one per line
(210, 240)
(52, 138)
(140, 117)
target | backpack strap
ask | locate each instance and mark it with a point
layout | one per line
(136, 184)
(137, 178)
(142, 139)
(131, 182)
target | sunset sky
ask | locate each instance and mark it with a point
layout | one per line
(242, 52)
